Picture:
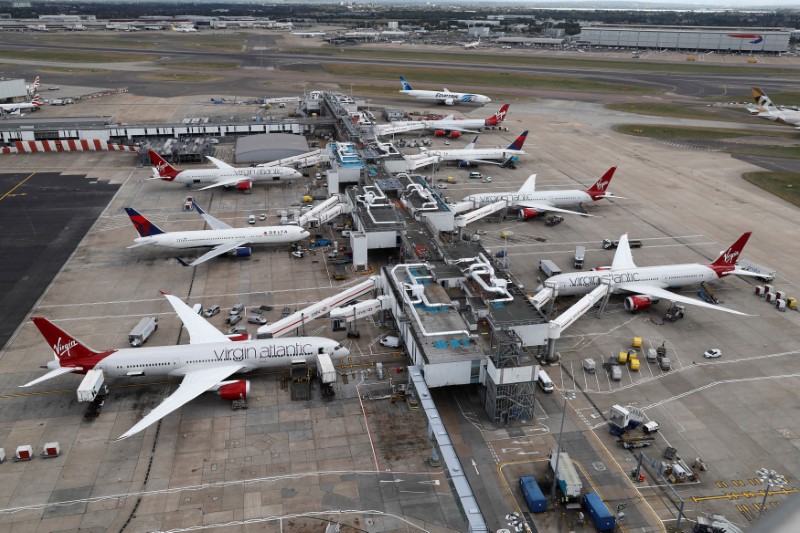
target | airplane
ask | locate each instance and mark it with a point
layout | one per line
(768, 110)
(221, 237)
(445, 97)
(470, 155)
(448, 126)
(648, 284)
(473, 45)
(14, 109)
(33, 88)
(224, 175)
(531, 203)
(184, 29)
(205, 364)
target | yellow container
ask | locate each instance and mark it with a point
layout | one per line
(637, 342)
(623, 358)
(307, 199)
(791, 303)
(634, 364)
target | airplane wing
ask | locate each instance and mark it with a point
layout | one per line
(216, 251)
(543, 206)
(194, 383)
(220, 164)
(200, 331)
(213, 222)
(623, 258)
(52, 374)
(657, 292)
(230, 182)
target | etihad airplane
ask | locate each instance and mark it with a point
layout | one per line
(445, 96)
(205, 364)
(531, 202)
(224, 175)
(15, 109)
(448, 126)
(647, 284)
(470, 155)
(766, 109)
(221, 237)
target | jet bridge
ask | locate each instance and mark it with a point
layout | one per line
(565, 319)
(308, 159)
(472, 216)
(351, 313)
(398, 127)
(298, 319)
(325, 210)
(421, 160)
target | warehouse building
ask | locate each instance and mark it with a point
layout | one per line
(750, 40)
(13, 91)
(269, 147)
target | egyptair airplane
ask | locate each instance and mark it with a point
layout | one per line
(15, 109)
(448, 126)
(768, 110)
(224, 175)
(444, 97)
(531, 202)
(205, 364)
(221, 237)
(646, 284)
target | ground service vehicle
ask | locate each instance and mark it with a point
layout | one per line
(553, 220)
(91, 385)
(236, 309)
(589, 365)
(651, 355)
(665, 363)
(712, 353)
(598, 511)
(536, 501)
(390, 341)
(142, 331)
(633, 363)
(211, 311)
(475, 175)
(616, 373)
(580, 253)
(651, 427)
(544, 381)
(567, 477)
(549, 268)
(608, 244)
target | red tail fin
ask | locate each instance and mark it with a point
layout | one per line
(598, 190)
(63, 344)
(727, 259)
(498, 117)
(165, 170)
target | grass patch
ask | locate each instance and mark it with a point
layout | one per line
(673, 111)
(71, 70)
(179, 76)
(228, 42)
(784, 185)
(453, 77)
(69, 56)
(688, 133)
(208, 65)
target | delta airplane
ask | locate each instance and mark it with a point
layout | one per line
(14, 109)
(470, 155)
(646, 284)
(448, 126)
(205, 364)
(224, 175)
(445, 96)
(766, 109)
(531, 203)
(221, 237)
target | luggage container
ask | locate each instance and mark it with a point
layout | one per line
(771, 298)
(637, 342)
(24, 453)
(536, 501)
(51, 449)
(768, 288)
(760, 290)
(599, 513)
(780, 295)
(633, 363)
(623, 358)
(780, 304)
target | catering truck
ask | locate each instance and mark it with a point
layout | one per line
(142, 331)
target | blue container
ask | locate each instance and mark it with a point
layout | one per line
(601, 516)
(536, 501)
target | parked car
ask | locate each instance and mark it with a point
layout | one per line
(346, 232)
(320, 243)
(211, 311)
(487, 179)
(234, 319)
(237, 330)
(441, 185)
(256, 319)
(262, 216)
(713, 353)
(251, 219)
(236, 309)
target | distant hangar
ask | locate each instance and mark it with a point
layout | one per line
(269, 147)
(696, 38)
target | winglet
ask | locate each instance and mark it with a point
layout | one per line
(529, 185)
(471, 146)
(182, 262)
(623, 258)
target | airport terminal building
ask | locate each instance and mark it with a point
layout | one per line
(750, 40)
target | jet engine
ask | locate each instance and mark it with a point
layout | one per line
(635, 303)
(449, 101)
(455, 134)
(244, 186)
(234, 390)
(527, 214)
(439, 133)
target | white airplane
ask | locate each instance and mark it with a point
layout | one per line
(224, 175)
(221, 237)
(646, 284)
(531, 203)
(15, 109)
(204, 364)
(184, 29)
(34, 87)
(448, 126)
(768, 110)
(470, 155)
(473, 45)
(445, 96)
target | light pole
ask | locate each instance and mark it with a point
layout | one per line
(568, 395)
(772, 479)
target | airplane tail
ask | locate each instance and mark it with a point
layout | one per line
(64, 345)
(36, 83)
(529, 185)
(405, 84)
(498, 117)
(727, 259)
(37, 100)
(761, 98)
(517, 144)
(471, 146)
(165, 170)
(143, 226)
(598, 190)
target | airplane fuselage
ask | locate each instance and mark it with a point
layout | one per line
(252, 174)
(554, 198)
(448, 98)
(451, 124)
(11, 108)
(577, 283)
(467, 155)
(216, 237)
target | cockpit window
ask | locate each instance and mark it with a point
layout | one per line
(338, 347)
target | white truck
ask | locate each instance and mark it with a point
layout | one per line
(325, 369)
(567, 477)
(549, 268)
(142, 331)
(91, 385)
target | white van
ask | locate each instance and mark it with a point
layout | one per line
(390, 341)
(544, 381)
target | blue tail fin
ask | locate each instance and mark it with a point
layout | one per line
(144, 227)
(406, 85)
